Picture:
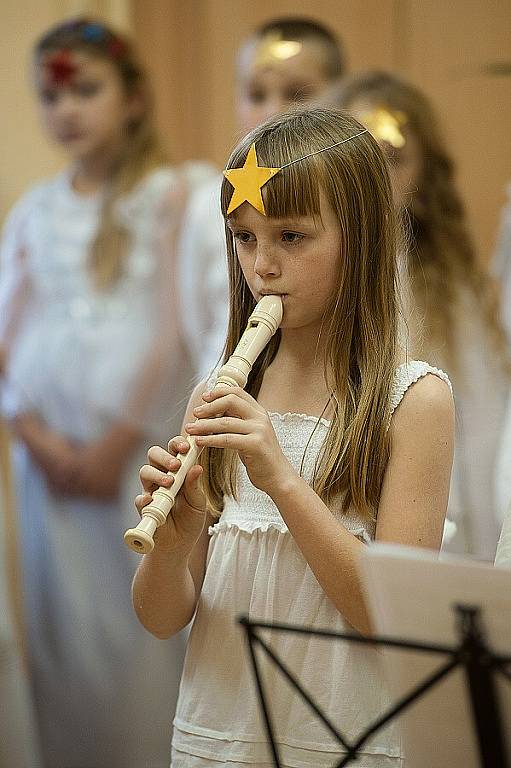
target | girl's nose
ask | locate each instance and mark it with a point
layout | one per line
(67, 105)
(266, 263)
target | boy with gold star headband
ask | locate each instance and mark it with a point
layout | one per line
(282, 62)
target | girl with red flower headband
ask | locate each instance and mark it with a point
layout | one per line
(86, 287)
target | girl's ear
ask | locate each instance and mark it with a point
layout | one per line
(136, 107)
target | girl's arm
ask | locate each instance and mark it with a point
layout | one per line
(414, 495)
(15, 283)
(412, 507)
(168, 581)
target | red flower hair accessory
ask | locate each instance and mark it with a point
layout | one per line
(61, 67)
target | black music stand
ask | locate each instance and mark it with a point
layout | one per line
(464, 724)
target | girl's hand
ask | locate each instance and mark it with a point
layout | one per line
(231, 418)
(185, 520)
(57, 457)
(103, 463)
(100, 473)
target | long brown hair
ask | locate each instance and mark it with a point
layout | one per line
(442, 258)
(141, 151)
(360, 320)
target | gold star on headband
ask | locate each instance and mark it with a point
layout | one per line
(273, 48)
(386, 125)
(248, 181)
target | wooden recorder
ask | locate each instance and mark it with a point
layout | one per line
(261, 326)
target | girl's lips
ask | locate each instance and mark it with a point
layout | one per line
(72, 136)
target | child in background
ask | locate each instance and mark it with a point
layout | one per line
(94, 367)
(454, 321)
(335, 442)
(283, 62)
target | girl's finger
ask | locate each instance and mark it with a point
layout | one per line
(218, 392)
(220, 425)
(161, 459)
(141, 501)
(179, 444)
(151, 478)
(193, 494)
(236, 442)
(231, 403)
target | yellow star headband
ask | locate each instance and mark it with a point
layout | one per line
(249, 180)
(385, 125)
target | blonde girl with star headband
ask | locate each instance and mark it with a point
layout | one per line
(88, 304)
(455, 321)
(336, 441)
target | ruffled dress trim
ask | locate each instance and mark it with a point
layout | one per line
(409, 373)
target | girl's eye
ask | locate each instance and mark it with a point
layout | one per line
(48, 96)
(243, 237)
(87, 88)
(292, 237)
(256, 96)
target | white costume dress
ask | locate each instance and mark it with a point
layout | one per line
(254, 567)
(18, 736)
(203, 276)
(479, 387)
(502, 270)
(104, 688)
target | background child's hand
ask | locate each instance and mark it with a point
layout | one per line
(103, 463)
(100, 473)
(231, 418)
(186, 518)
(54, 454)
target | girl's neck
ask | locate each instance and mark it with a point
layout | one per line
(295, 380)
(303, 348)
(89, 174)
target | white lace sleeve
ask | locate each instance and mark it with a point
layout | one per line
(203, 276)
(12, 263)
(15, 289)
(407, 374)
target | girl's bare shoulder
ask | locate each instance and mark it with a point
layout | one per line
(426, 406)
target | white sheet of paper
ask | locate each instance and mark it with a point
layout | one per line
(411, 594)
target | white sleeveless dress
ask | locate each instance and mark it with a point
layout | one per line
(254, 567)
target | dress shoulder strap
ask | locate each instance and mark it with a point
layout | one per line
(407, 374)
